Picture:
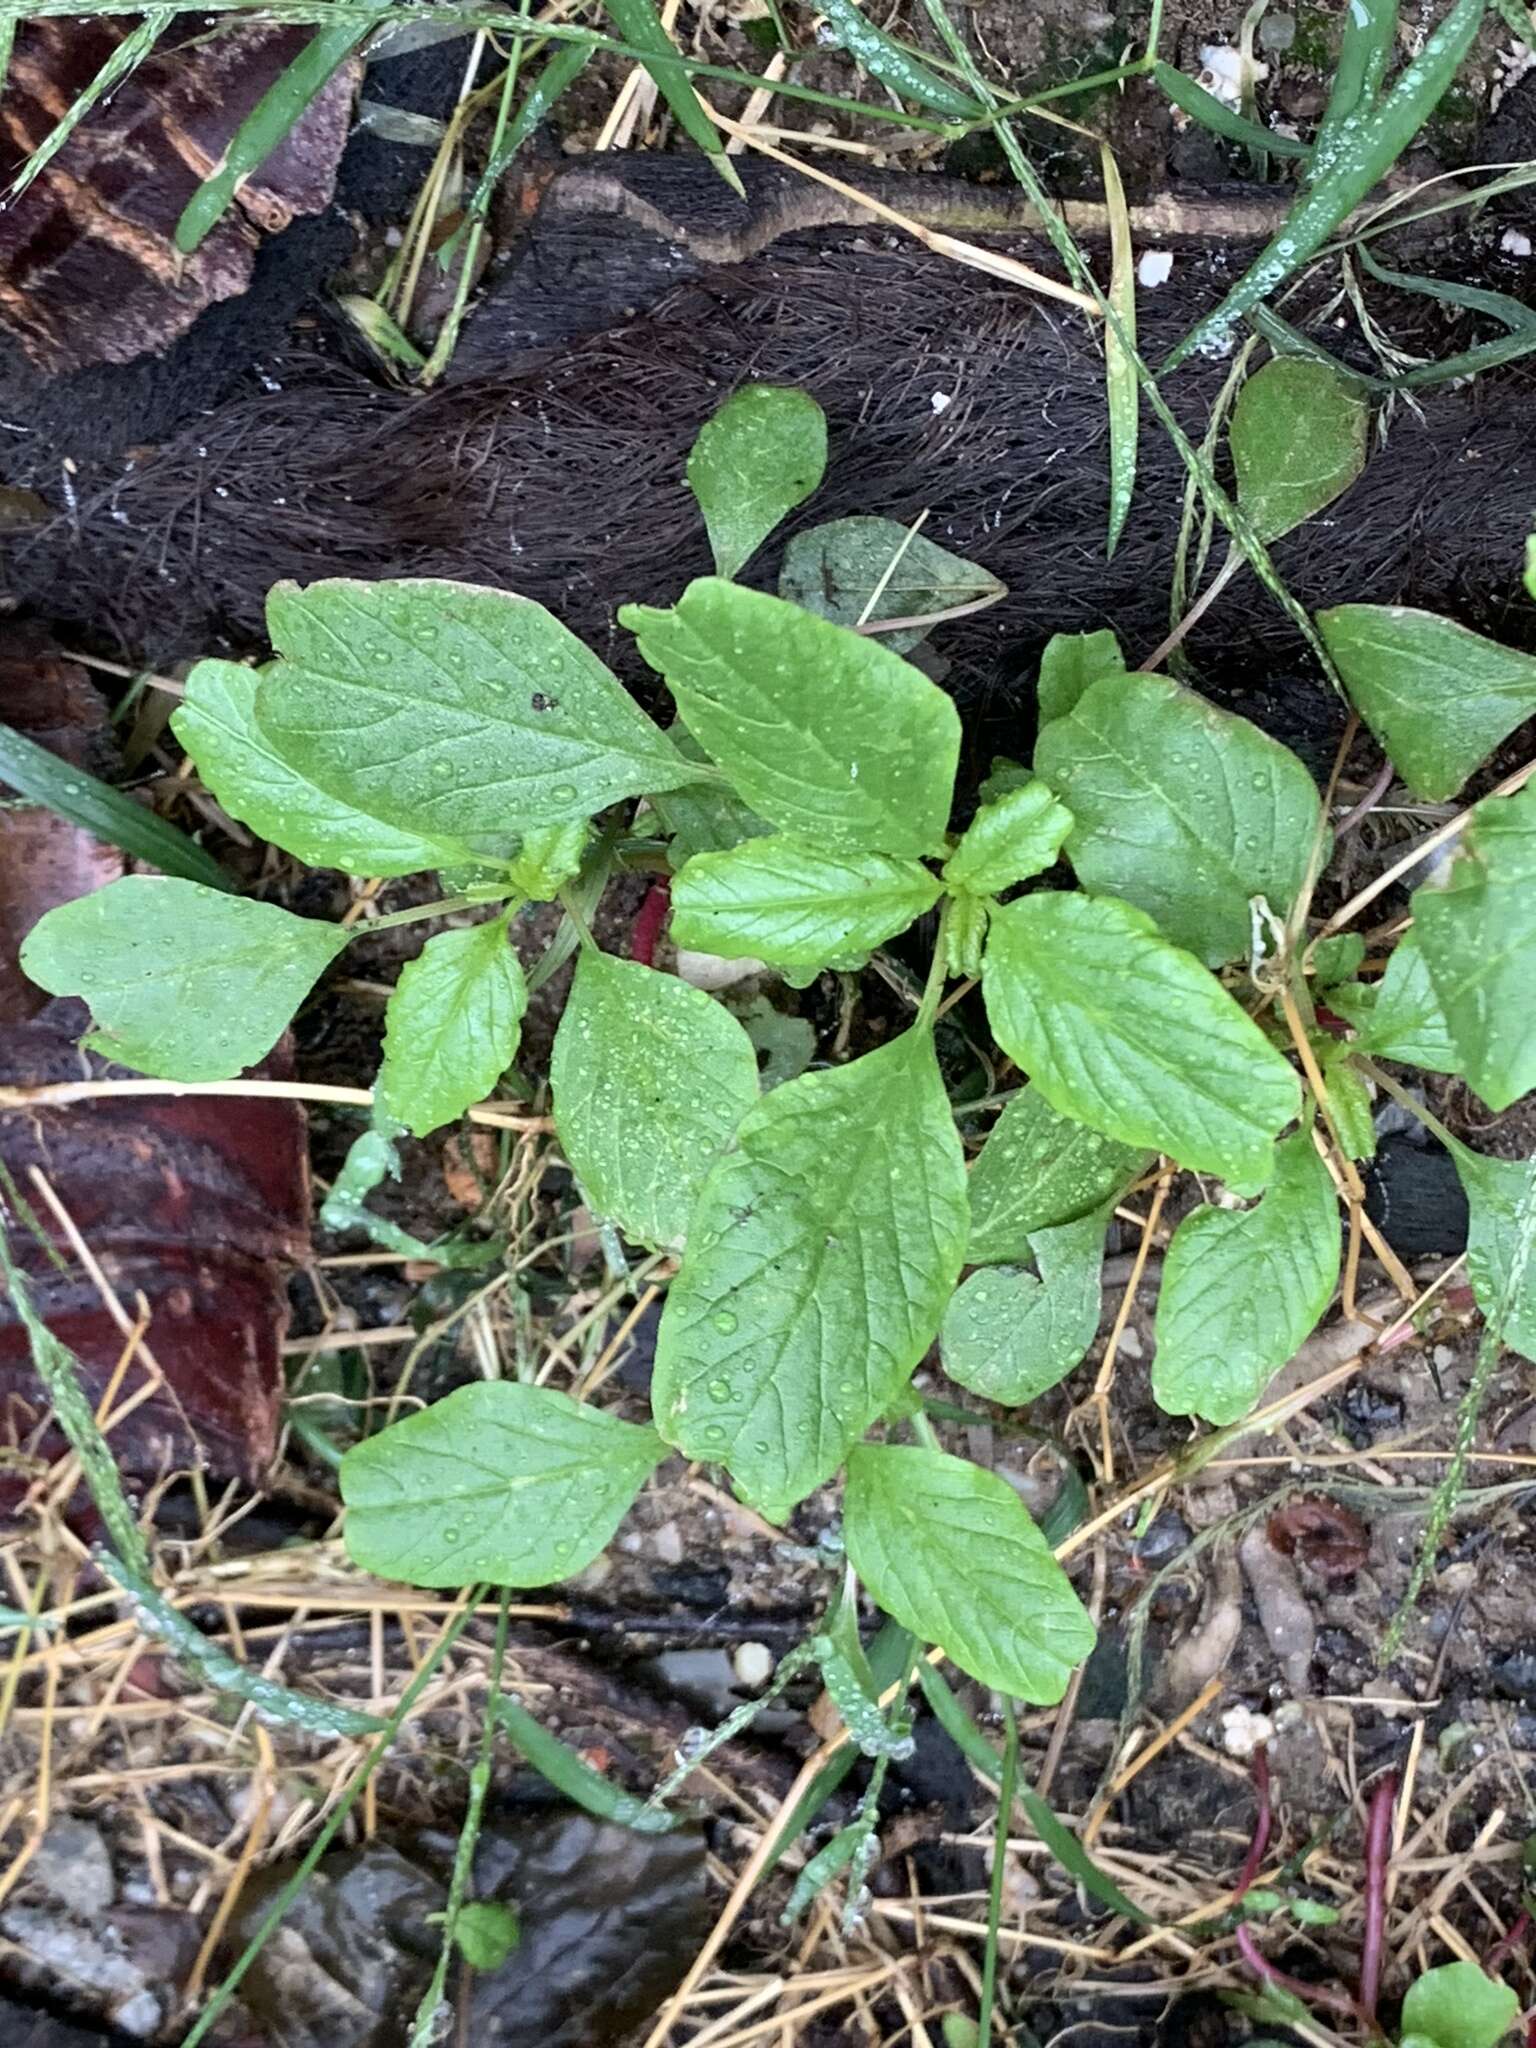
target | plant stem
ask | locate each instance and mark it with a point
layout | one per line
(1378, 1846)
(1405, 1099)
(1254, 1860)
(445, 907)
(1006, 1787)
(924, 1431)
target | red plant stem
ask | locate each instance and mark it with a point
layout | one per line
(1311, 1994)
(1378, 1850)
(1255, 1857)
(1507, 1943)
(649, 919)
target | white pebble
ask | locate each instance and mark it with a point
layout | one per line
(1243, 1731)
(941, 401)
(1514, 243)
(753, 1665)
(1154, 268)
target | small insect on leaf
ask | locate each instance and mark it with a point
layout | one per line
(761, 455)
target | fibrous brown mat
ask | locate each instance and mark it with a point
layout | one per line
(553, 463)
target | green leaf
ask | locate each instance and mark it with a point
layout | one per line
(894, 65)
(836, 570)
(638, 22)
(795, 905)
(547, 858)
(965, 935)
(703, 817)
(43, 777)
(1337, 959)
(1495, 1190)
(1009, 1336)
(486, 1933)
(183, 982)
(452, 1026)
(1075, 1860)
(1185, 810)
(820, 1257)
(513, 1484)
(821, 731)
(1399, 1017)
(761, 455)
(1349, 1103)
(1071, 662)
(650, 1079)
(1477, 929)
(951, 1552)
(1460, 2006)
(1244, 1288)
(256, 783)
(1009, 839)
(1298, 439)
(1132, 1036)
(451, 710)
(1438, 698)
(573, 1777)
(1039, 1168)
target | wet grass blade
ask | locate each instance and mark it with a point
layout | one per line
(1370, 30)
(1121, 391)
(640, 25)
(1472, 362)
(894, 66)
(127, 57)
(264, 127)
(559, 1765)
(1006, 1786)
(888, 1655)
(105, 812)
(1360, 157)
(1192, 98)
(561, 71)
(1468, 298)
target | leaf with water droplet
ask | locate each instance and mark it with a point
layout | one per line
(782, 900)
(1181, 808)
(1298, 439)
(825, 1334)
(512, 1484)
(184, 982)
(951, 1552)
(787, 704)
(650, 1079)
(452, 1026)
(257, 783)
(1131, 1035)
(1010, 1336)
(1038, 1169)
(1244, 1288)
(421, 740)
(755, 460)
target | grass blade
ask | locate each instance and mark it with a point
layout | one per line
(1122, 394)
(1075, 1860)
(640, 25)
(1469, 298)
(1192, 98)
(564, 66)
(280, 106)
(1007, 1782)
(127, 57)
(1346, 175)
(105, 812)
(894, 66)
(559, 1765)
(1370, 30)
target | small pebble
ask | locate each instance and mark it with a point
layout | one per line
(1514, 243)
(1154, 268)
(1277, 31)
(753, 1665)
(941, 401)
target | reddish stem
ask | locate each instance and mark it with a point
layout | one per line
(1378, 1851)
(649, 919)
(1310, 1994)
(1507, 1943)
(1253, 1861)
